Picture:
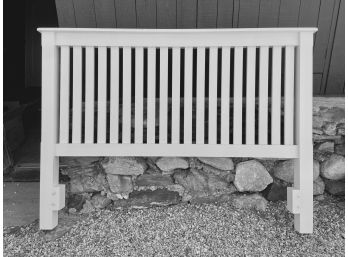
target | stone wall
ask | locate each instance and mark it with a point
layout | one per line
(128, 182)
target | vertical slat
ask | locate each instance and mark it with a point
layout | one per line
(101, 95)
(188, 96)
(263, 96)
(276, 94)
(114, 94)
(77, 94)
(212, 94)
(250, 96)
(89, 102)
(289, 96)
(151, 95)
(126, 98)
(200, 95)
(139, 93)
(176, 97)
(238, 94)
(225, 95)
(163, 95)
(64, 95)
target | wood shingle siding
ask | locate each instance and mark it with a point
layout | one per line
(327, 15)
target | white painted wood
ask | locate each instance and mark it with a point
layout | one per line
(114, 94)
(250, 96)
(49, 162)
(151, 95)
(139, 94)
(276, 94)
(58, 197)
(126, 105)
(176, 96)
(163, 118)
(188, 150)
(293, 200)
(200, 102)
(263, 96)
(303, 180)
(238, 96)
(102, 73)
(212, 130)
(300, 199)
(179, 37)
(64, 94)
(225, 95)
(289, 96)
(77, 95)
(89, 100)
(188, 96)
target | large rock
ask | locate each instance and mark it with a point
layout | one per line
(285, 170)
(75, 201)
(329, 128)
(85, 170)
(334, 187)
(120, 184)
(339, 149)
(124, 165)
(100, 201)
(334, 114)
(340, 129)
(318, 186)
(252, 201)
(223, 174)
(327, 146)
(148, 198)
(153, 180)
(276, 192)
(84, 183)
(333, 168)
(198, 184)
(78, 161)
(251, 176)
(218, 163)
(169, 164)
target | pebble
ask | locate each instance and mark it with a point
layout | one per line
(187, 230)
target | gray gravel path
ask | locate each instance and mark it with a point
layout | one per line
(189, 230)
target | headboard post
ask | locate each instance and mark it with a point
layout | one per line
(303, 174)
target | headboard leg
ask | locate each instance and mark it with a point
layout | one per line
(52, 195)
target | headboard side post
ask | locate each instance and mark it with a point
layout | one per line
(303, 173)
(51, 193)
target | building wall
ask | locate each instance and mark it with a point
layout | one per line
(327, 15)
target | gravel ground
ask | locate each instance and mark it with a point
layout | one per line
(188, 230)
